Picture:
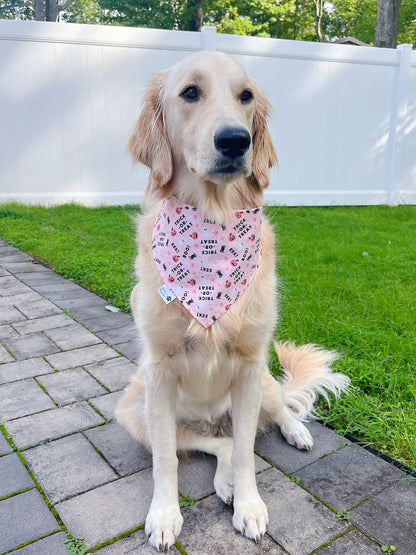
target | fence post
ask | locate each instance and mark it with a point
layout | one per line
(209, 41)
(397, 122)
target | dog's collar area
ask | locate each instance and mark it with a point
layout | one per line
(206, 264)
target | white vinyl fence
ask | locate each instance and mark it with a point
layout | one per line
(344, 124)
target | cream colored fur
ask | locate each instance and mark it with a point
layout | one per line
(210, 389)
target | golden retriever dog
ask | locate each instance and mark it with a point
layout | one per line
(202, 381)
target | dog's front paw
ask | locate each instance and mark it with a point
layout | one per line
(223, 483)
(297, 434)
(163, 526)
(251, 518)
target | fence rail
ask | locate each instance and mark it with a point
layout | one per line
(344, 124)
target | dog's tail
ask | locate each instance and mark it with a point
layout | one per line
(308, 374)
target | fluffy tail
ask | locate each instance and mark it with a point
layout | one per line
(308, 374)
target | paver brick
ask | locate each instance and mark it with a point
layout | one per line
(70, 385)
(345, 478)
(40, 278)
(113, 321)
(38, 309)
(13, 475)
(28, 296)
(133, 545)
(113, 508)
(49, 288)
(11, 395)
(297, 521)
(23, 369)
(51, 545)
(9, 285)
(275, 448)
(352, 543)
(81, 357)
(9, 314)
(95, 311)
(208, 529)
(37, 521)
(14, 267)
(72, 337)
(3, 272)
(390, 516)
(71, 293)
(4, 446)
(114, 374)
(130, 350)
(52, 424)
(107, 404)
(86, 313)
(68, 466)
(31, 345)
(5, 356)
(14, 256)
(42, 324)
(124, 453)
(7, 331)
(23, 267)
(87, 299)
(119, 335)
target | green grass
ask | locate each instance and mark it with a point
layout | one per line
(94, 247)
(361, 305)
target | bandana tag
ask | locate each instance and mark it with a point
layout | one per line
(166, 294)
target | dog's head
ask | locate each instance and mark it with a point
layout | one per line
(204, 119)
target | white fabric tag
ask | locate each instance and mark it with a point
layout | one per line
(166, 294)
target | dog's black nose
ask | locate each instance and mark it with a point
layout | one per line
(232, 141)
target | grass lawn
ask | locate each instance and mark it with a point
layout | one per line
(347, 281)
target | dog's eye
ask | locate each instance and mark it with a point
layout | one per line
(190, 93)
(246, 96)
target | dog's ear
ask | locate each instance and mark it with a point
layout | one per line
(264, 154)
(149, 143)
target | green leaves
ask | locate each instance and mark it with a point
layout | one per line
(186, 500)
(75, 546)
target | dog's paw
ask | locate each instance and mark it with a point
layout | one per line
(297, 434)
(163, 526)
(251, 518)
(223, 483)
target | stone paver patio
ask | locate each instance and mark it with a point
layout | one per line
(67, 469)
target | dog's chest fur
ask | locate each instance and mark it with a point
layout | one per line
(215, 354)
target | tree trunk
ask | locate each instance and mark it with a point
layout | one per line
(48, 10)
(52, 10)
(387, 23)
(319, 14)
(39, 10)
(197, 14)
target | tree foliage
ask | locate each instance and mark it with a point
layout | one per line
(407, 23)
(85, 11)
(309, 20)
(352, 18)
(16, 9)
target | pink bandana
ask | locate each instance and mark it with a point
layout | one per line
(207, 265)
